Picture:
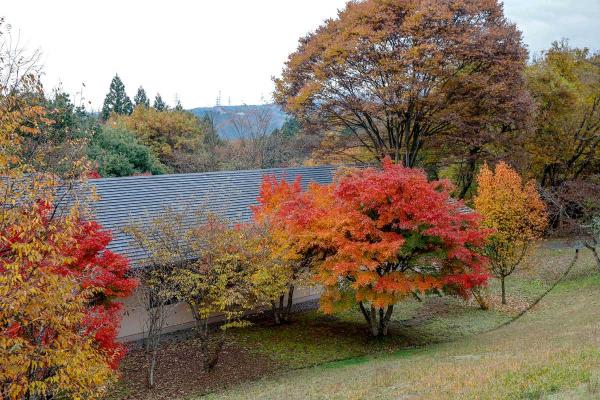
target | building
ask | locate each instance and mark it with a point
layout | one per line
(123, 201)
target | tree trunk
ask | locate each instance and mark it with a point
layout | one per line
(276, 313)
(152, 343)
(151, 369)
(374, 325)
(209, 349)
(378, 319)
(386, 320)
(467, 172)
(503, 289)
(290, 303)
(479, 296)
(281, 311)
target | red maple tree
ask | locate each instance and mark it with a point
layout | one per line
(380, 236)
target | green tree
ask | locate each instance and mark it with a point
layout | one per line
(116, 101)
(159, 103)
(141, 99)
(178, 106)
(176, 137)
(565, 146)
(290, 128)
(117, 152)
(212, 143)
(59, 145)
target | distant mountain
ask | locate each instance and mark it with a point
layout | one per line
(224, 117)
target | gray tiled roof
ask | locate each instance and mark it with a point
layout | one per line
(142, 198)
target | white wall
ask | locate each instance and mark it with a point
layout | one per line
(180, 317)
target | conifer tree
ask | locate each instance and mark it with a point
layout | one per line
(116, 101)
(159, 103)
(178, 106)
(141, 99)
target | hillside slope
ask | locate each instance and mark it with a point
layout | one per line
(224, 116)
(551, 353)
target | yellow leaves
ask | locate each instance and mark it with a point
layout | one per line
(513, 209)
(165, 132)
(42, 349)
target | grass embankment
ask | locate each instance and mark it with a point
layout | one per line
(434, 350)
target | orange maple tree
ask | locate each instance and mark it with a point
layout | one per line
(378, 236)
(286, 263)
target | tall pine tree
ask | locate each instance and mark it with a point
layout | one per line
(159, 104)
(116, 101)
(140, 98)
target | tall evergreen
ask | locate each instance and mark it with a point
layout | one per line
(159, 104)
(178, 106)
(116, 101)
(140, 98)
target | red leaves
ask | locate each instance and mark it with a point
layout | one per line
(387, 232)
(99, 268)
(84, 256)
(273, 194)
(102, 322)
(106, 273)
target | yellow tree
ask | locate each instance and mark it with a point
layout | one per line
(50, 343)
(565, 146)
(197, 258)
(514, 210)
(47, 345)
(177, 138)
(275, 268)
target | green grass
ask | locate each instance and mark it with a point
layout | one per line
(314, 338)
(436, 349)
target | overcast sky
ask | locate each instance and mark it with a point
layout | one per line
(194, 49)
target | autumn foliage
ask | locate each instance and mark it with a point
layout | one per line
(58, 317)
(284, 262)
(58, 320)
(514, 211)
(378, 236)
(390, 76)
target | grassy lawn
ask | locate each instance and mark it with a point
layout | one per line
(433, 351)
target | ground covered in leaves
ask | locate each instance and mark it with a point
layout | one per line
(330, 352)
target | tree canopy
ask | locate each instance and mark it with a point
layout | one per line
(177, 138)
(140, 98)
(389, 75)
(380, 236)
(116, 100)
(118, 152)
(565, 82)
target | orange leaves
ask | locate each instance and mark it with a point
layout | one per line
(381, 233)
(365, 278)
(356, 77)
(273, 195)
(402, 284)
